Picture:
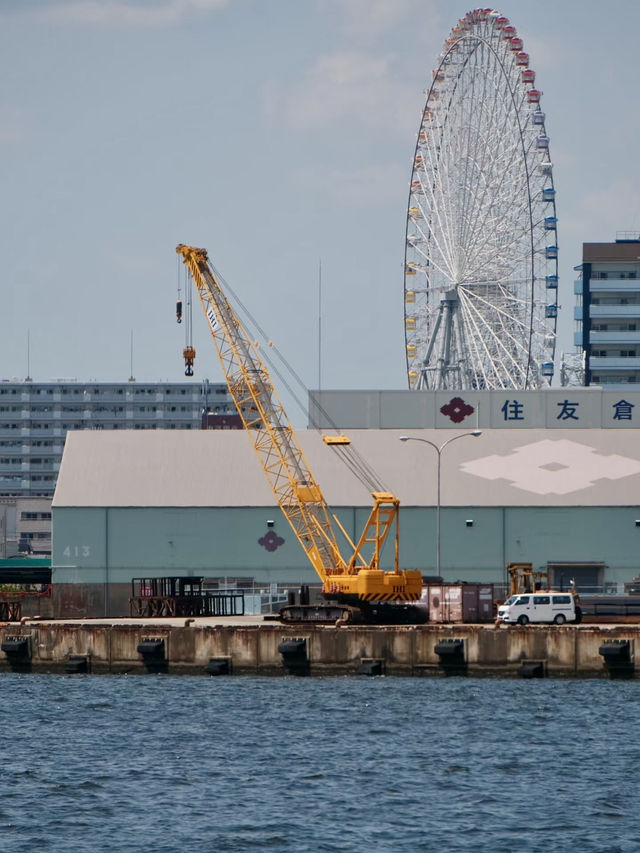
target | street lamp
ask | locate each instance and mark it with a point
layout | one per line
(438, 449)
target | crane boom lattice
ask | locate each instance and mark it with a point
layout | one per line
(261, 411)
(297, 493)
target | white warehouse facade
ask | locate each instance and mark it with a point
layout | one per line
(159, 504)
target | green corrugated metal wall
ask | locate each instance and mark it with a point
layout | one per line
(97, 545)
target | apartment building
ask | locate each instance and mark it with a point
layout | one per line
(607, 312)
(36, 416)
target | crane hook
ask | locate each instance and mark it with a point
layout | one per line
(189, 353)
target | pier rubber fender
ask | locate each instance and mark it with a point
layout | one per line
(532, 669)
(294, 648)
(450, 650)
(76, 664)
(17, 647)
(371, 667)
(616, 652)
(152, 648)
(294, 653)
(218, 666)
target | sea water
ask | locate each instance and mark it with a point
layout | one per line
(167, 764)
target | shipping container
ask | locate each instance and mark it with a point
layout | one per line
(467, 602)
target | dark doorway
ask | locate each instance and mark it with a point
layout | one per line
(588, 577)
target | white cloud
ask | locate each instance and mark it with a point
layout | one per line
(370, 19)
(348, 85)
(124, 13)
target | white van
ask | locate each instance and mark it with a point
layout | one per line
(543, 606)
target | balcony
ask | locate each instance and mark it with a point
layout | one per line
(614, 363)
(9, 469)
(610, 311)
(622, 338)
(12, 482)
(621, 285)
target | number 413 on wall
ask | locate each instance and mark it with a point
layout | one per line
(77, 551)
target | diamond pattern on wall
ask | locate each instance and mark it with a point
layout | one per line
(552, 467)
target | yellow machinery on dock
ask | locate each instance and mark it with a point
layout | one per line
(523, 578)
(357, 580)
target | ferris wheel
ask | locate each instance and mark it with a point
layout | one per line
(481, 256)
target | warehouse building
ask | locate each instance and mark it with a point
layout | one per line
(131, 505)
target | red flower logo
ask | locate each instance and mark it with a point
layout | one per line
(271, 541)
(457, 410)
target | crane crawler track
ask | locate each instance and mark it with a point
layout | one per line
(363, 613)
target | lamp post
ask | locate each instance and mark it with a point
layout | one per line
(438, 449)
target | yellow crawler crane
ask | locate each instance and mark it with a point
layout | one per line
(351, 581)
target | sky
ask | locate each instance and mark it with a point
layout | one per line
(278, 135)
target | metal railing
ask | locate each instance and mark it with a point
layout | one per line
(206, 604)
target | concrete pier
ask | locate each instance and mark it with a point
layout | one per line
(248, 645)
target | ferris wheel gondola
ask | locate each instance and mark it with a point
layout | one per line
(481, 256)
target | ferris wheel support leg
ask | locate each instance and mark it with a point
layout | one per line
(449, 304)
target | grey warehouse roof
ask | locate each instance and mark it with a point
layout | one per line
(219, 468)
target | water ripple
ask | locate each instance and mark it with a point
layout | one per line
(134, 763)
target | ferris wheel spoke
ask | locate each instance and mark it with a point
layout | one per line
(493, 345)
(480, 141)
(514, 303)
(444, 269)
(487, 203)
(501, 324)
(509, 249)
(490, 205)
(440, 213)
(484, 361)
(427, 191)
